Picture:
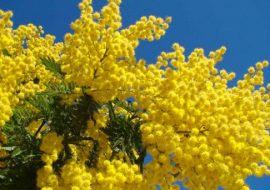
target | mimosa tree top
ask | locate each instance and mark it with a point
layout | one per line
(65, 122)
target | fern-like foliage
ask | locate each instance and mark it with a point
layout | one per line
(52, 66)
(124, 132)
(23, 148)
(70, 121)
(58, 89)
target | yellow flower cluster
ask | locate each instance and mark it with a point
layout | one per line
(196, 128)
(20, 52)
(51, 146)
(107, 53)
(215, 135)
(93, 130)
(73, 177)
(117, 175)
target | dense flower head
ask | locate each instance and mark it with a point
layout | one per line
(196, 128)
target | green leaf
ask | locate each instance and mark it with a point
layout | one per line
(52, 66)
(57, 89)
(16, 152)
(8, 148)
(44, 104)
(2, 177)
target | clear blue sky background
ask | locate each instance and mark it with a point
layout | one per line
(241, 25)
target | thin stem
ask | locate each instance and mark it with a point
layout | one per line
(40, 127)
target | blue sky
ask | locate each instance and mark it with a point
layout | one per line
(241, 25)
